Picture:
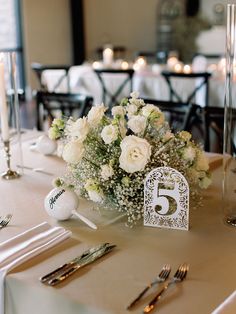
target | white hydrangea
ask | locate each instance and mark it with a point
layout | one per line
(135, 153)
(95, 193)
(77, 130)
(202, 163)
(109, 133)
(134, 94)
(167, 136)
(137, 124)
(189, 153)
(122, 128)
(106, 172)
(131, 110)
(205, 182)
(148, 109)
(118, 111)
(95, 114)
(73, 152)
(185, 136)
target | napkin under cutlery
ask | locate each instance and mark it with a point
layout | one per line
(228, 306)
(26, 245)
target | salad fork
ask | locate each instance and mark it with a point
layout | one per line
(164, 274)
(179, 276)
(5, 221)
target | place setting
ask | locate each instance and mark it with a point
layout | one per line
(117, 149)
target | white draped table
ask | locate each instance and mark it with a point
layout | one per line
(149, 83)
(109, 284)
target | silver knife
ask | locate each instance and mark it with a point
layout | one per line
(85, 261)
(35, 170)
(78, 259)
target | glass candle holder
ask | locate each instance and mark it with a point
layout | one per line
(229, 147)
(9, 116)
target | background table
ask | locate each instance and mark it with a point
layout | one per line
(109, 284)
(148, 82)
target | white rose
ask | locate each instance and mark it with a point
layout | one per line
(106, 172)
(109, 133)
(135, 153)
(148, 109)
(95, 115)
(189, 153)
(137, 124)
(131, 110)
(73, 152)
(118, 111)
(95, 196)
(77, 130)
(95, 193)
(201, 162)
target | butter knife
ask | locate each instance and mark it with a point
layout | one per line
(85, 261)
(80, 258)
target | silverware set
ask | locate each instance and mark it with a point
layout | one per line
(5, 221)
(64, 271)
(179, 276)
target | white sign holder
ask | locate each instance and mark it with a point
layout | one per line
(166, 199)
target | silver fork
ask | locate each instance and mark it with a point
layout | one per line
(164, 274)
(179, 276)
(5, 221)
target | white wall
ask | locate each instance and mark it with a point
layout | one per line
(129, 23)
(46, 34)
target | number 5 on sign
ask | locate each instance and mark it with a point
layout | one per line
(166, 199)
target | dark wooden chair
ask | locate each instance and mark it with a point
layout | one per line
(52, 105)
(181, 116)
(38, 68)
(173, 93)
(106, 93)
(214, 128)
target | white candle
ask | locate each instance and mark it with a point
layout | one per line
(178, 67)
(124, 65)
(3, 106)
(171, 62)
(187, 69)
(108, 56)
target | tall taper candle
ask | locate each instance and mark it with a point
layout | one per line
(3, 106)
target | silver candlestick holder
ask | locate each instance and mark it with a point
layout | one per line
(9, 174)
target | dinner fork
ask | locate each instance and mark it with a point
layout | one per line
(5, 221)
(164, 274)
(179, 276)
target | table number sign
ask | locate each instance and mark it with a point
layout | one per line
(166, 199)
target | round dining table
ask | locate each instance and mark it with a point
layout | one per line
(112, 282)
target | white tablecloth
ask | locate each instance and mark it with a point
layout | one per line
(150, 84)
(108, 285)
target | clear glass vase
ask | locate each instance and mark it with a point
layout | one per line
(9, 117)
(229, 165)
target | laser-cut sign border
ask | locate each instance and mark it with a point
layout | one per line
(166, 199)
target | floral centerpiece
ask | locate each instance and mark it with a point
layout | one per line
(109, 157)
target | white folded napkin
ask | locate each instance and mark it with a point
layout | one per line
(26, 245)
(228, 306)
